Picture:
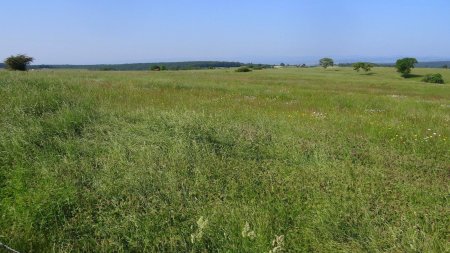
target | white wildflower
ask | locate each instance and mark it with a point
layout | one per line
(374, 110)
(201, 224)
(278, 244)
(247, 232)
(318, 115)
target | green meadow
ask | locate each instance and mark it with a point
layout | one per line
(274, 160)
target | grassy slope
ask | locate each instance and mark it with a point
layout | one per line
(134, 161)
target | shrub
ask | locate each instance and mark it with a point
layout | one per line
(433, 78)
(18, 62)
(243, 69)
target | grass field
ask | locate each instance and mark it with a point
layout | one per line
(287, 160)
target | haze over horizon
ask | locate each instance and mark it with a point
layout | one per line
(107, 32)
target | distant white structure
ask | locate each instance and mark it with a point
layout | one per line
(277, 67)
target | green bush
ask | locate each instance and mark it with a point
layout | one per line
(18, 62)
(433, 78)
(243, 69)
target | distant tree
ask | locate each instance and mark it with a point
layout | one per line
(163, 67)
(362, 65)
(326, 62)
(282, 64)
(18, 62)
(303, 66)
(155, 68)
(243, 69)
(445, 66)
(405, 65)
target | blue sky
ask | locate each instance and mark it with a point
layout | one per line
(291, 31)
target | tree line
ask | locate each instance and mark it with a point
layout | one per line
(12, 64)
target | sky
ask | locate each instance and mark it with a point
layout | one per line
(258, 31)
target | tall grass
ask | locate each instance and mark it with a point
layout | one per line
(297, 160)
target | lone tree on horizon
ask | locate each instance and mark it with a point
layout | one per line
(18, 62)
(326, 62)
(405, 65)
(362, 65)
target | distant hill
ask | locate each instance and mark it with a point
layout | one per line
(2, 65)
(147, 66)
(433, 64)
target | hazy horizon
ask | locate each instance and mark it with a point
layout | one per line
(293, 32)
(287, 60)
